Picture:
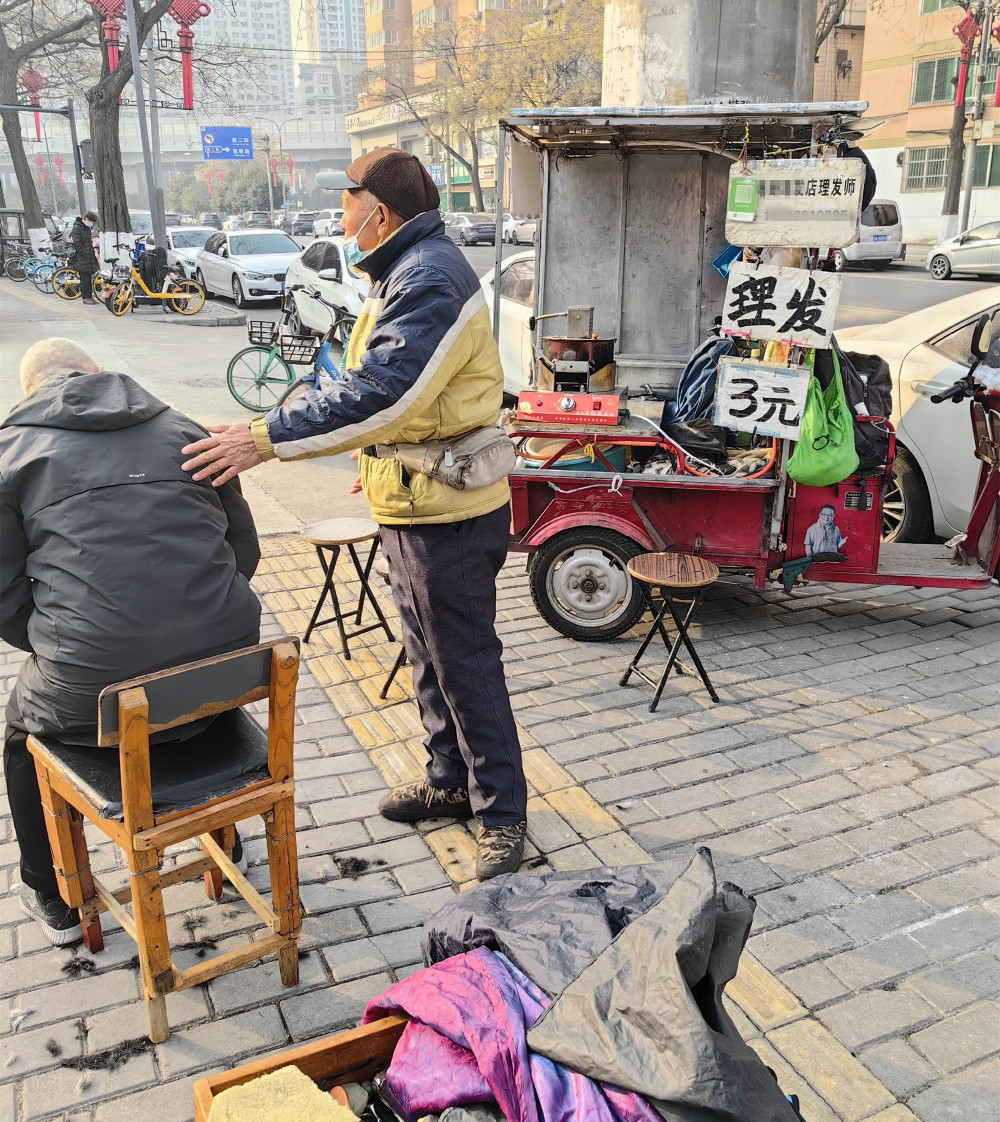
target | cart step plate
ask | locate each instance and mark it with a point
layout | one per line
(570, 408)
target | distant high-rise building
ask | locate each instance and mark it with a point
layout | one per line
(329, 37)
(264, 28)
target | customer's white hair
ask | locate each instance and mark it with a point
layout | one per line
(51, 359)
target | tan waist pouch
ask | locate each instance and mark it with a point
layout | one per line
(475, 459)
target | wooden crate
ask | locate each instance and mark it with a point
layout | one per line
(346, 1057)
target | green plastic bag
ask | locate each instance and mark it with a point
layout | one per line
(825, 450)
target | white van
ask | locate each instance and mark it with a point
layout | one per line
(880, 238)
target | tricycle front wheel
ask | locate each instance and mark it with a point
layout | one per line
(581, 586)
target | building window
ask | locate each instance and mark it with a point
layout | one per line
(925, 168)
(927, 7)
(382, 39)
(374, 6)
(437, 14)
(933, 81)
(989, 80)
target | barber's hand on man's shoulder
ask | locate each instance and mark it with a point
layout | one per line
(228, 451)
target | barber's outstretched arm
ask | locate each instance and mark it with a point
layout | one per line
(16, 601)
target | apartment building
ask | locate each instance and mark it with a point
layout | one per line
(329, 38)
(837, 76)
(908, 76)
(265, 30)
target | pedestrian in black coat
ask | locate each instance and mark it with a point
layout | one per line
(82, 256)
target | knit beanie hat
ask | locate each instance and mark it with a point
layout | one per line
(397, 179)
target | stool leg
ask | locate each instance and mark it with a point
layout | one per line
(327, 589)
(396, 667)
(671, 658)
(657, 625)
(213, 876)
(282, 857)
(682, 626)
(366, 589)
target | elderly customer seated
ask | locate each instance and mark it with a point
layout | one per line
(113, 563)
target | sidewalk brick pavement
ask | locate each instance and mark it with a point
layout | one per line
(847, 779)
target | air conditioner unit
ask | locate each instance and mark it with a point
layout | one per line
(428, 146)
(477, 14)
(899, 159)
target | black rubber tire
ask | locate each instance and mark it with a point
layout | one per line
(199, 277)
(614, 546)
(943, 267)
(462, 240)
(839, 261)
(295, 324)
(239, 298)
(907, 515)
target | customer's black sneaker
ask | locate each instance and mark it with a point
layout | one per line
(417, 801)
(501, 850)
(59, 922)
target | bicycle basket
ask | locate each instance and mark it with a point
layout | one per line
(299, 349)
(262, 332)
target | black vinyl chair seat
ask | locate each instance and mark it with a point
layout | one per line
(230, 754)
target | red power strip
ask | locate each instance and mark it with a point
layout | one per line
(569, 408)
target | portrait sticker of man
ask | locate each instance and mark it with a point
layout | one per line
(824, 536)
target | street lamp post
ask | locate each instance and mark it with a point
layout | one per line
(281, 154)
(267, 172)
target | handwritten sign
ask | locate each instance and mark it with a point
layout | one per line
(786, 305)
(795, 202)
(762, 397)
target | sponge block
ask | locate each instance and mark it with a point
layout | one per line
(287, 1094)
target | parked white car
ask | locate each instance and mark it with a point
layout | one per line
(976, 251)
(327, 222)
(517, 297)
(935, 473)
(880, 238)
(183, 243)
(348, 291)
(524, 232)
(245, 264)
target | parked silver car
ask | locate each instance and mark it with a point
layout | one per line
(880, 238)
(471, 229)
(976, 251)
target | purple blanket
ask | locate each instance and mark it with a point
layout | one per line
(466, 1044)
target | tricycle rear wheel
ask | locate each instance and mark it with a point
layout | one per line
(581, 586)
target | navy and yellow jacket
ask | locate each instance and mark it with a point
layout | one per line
(421, 365)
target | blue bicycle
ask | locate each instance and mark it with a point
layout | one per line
(261, 376)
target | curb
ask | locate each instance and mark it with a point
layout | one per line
(208, 321)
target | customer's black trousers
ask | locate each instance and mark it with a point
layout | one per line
(37, 870)
(443, 580)
(86, 285)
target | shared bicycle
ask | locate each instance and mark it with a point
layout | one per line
(261, 376)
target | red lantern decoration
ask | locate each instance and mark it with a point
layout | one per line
(33, 82)
(274, 171)
(186, 12)
(40, 164)
(112, 10)
(966, 31)
(59, 161)
(208, 180)
(290, 163)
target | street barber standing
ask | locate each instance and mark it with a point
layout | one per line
(422, 367)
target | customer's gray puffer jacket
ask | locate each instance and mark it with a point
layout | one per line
(113, 562)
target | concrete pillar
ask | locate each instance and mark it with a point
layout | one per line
(681, 52)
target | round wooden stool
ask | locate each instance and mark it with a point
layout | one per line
(329, 538)
(677, 576)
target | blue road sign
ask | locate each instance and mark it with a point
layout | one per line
(227, 143)
(436, 172)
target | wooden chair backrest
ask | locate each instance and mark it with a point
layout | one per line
(186, 693)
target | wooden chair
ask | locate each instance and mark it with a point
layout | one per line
(678, 577)
(148, 800)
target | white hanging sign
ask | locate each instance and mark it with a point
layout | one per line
(785, 305)
(813, 202)
(762, 397)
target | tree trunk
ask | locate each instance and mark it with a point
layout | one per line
(477, 187)
(33, 220)
(953, 173)
(109, 176)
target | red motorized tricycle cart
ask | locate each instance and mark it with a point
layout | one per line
(633, 209)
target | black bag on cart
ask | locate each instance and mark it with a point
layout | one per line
(867, 383)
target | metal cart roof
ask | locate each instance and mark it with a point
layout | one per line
(790, 127)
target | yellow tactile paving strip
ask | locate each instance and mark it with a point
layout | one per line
(567, 829)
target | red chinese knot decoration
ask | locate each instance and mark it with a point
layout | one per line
(966, 32)
(185, 13)
(274, 171)
(208, 180)
(58, 161)
(112, 10)
(33, 82)
(39, 162)
(290, 163)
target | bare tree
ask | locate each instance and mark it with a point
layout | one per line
(955, 161)
(826, 20)
(28, 29)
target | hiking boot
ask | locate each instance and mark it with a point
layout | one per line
(59, 922)
(417, 801)
(501, 850)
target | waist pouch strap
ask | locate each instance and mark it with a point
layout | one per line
(475, 459)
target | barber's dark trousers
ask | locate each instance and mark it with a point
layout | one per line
(443, 580)
(37, 871)
(86, 285)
